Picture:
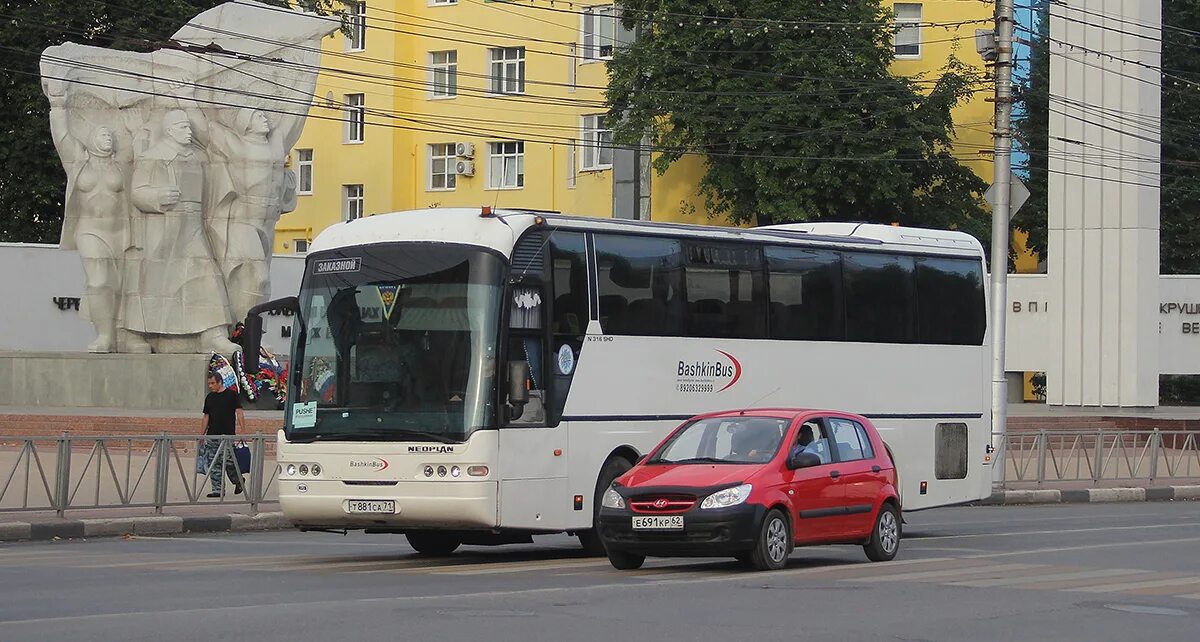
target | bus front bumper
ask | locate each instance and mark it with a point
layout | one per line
(417, 504)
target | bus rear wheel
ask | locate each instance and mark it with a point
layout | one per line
(612, 469)
(433, 544)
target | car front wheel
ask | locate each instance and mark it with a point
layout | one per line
(885, 537)
(774, 543)
(625, 561)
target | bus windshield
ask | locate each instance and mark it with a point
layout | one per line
(396, 342)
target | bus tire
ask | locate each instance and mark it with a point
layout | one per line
(885, 535)
(432, 543)
(612, 469)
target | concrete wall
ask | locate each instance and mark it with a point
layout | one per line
(35, 275)
(1031, 309)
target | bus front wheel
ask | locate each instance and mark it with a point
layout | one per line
(433, 544)
(612, 469)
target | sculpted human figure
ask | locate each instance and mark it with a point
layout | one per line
(175, 291)
(96, 216)
(241, 224)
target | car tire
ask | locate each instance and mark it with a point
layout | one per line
(885, 535)
(432, 544)
(625, 561)
(590, 538)
(774, 543)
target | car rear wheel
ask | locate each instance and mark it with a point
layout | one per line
(625, 561)
(433, 544)
(774, 543)
(612, 469)
(885, 537)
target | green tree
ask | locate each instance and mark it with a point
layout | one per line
(1032, 125)
(796, 112)
(1180, 199)
(31, 179)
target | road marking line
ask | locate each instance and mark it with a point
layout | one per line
(1058, 532)
(1113, 588)
(186, 562)
(951, 572)
(1028, 579)
(521, 567)
(1085, 547)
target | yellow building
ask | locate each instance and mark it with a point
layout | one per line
(470, 102)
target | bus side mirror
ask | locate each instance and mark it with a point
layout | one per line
(252, 329)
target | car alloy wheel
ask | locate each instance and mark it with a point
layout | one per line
(777, 545)
(889, 536)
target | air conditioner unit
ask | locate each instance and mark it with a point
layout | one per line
(465, 150)
(464, 168)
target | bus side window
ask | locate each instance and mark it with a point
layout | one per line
(569, 282)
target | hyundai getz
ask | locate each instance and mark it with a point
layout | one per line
(753, 484)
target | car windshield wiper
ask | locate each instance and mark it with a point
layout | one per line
(694, 460)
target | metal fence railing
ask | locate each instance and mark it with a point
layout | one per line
(1097, 455)
(83, 472)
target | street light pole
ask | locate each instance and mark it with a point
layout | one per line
(1002, 165)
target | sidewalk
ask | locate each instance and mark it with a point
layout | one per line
(85, 523)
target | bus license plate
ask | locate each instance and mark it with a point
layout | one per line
(386, 506)
(657, 522)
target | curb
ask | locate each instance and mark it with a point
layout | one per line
(151, 525)
(1093, 495)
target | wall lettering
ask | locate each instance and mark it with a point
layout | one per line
(66, 302)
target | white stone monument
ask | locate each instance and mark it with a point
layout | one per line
(1103, 203)
(176, 174)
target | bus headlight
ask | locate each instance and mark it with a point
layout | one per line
(612, 499)
(728, 497)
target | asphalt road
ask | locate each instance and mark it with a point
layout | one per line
(1066, 572)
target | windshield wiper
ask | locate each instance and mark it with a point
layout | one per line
(694, 460)
(376, 434)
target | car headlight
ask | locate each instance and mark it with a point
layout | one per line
(612, 499)
(728, 497)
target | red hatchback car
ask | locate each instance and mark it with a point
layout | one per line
(753, 484)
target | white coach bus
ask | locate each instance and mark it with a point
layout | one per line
(478, 376)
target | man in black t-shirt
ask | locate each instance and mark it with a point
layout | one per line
(222, 415)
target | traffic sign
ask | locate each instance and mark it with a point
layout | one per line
(1017, 195)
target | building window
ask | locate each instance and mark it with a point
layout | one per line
(596, 144)
(908, 29)
(508, 70)
(356, 117)
(599, 32)
(443, 74)
(304, 171)
(300, 245)
(352, 202)
(356, 21)
(442, 173)
(506, 168)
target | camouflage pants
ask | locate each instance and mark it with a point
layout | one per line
(210, 450)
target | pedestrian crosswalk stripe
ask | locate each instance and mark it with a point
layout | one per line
(943, 573)
(1130, 586)
(1050, 577)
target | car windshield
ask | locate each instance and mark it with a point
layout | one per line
(723, 440)
(396, 342)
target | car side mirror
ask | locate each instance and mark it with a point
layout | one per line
(803, 459)
(640, 459)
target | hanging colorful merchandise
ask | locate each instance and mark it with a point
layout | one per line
(219, 366)
(271, 377)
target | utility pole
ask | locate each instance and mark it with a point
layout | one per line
(1002, 159)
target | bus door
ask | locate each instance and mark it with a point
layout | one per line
(547, 318)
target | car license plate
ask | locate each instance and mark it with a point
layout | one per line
(657, 522)
(386, 506)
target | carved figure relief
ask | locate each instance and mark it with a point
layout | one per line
(176, 172)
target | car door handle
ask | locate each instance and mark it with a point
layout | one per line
(835, 474)
(875, 469)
